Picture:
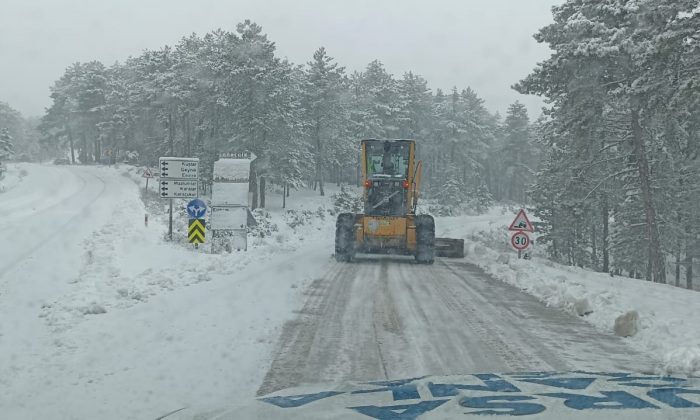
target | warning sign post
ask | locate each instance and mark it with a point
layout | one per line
(521, 225)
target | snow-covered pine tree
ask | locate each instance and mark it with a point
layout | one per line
(323, 102)
(11, 120)
(374, 102)
(6, 146)
(413, 117)
(516, 154)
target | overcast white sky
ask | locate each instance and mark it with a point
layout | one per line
(485, 44)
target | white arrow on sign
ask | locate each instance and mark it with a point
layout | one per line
(178, 188)
(179, 168)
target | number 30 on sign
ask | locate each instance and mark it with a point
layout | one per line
(520, 241)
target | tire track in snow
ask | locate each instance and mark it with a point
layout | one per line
(485, 322)
(13, 204)
(299, 334)
(60, 228)
(384, 319)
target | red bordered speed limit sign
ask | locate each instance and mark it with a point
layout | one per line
(520, 241)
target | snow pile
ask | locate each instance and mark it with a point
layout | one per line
(667, 324)
(232, 170)
(125, 263)
(229, 193)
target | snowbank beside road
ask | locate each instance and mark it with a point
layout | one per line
(668, 316)
(105, 319)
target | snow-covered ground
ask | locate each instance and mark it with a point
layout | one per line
(667, 316)
(101, 318)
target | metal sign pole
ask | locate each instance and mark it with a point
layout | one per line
(170, 221)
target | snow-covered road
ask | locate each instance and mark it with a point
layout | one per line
(387, 318)
(46, 220)
(51, 207)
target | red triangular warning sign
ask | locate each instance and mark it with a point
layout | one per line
(521, 223)
(147, 173)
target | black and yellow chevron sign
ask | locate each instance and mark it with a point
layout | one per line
(196, 231)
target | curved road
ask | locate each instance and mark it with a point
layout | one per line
(45, 220)
(392, 319)
(49, 202)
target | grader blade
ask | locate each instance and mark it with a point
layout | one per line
(450, 248)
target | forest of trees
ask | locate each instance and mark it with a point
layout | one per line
(228, 92)
(618, 186)
(611, 168)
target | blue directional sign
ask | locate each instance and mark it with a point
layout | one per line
(196, 208)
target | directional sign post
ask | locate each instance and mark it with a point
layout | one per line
(178, 179)
(178, 188)
(196, 231)
(179, 168)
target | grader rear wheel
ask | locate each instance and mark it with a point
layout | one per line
(344, 237)
(425, 239)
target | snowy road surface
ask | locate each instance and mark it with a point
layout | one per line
(382, 319)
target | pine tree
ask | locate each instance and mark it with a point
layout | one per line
(11, 120)
(322, 99)
(516, 154)
(375, 102)
(6, 147)
(414, 107)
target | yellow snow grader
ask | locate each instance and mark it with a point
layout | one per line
(389, 224)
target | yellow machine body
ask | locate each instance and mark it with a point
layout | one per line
(388, 228)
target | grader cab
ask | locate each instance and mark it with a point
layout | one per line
(389, 224)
